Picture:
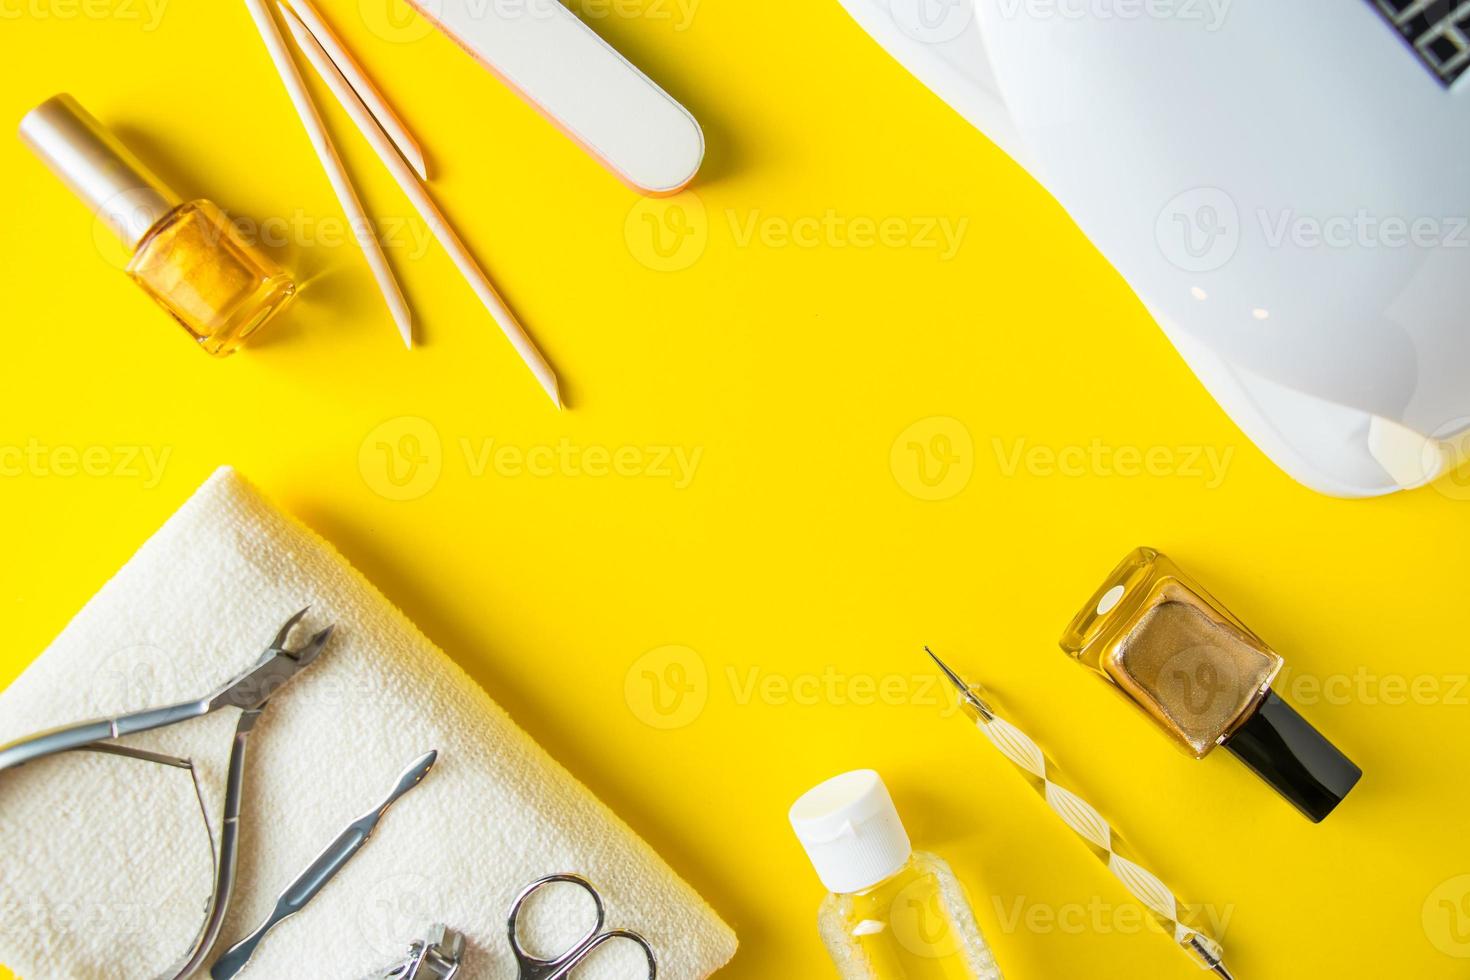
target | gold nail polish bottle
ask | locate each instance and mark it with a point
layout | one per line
(1204, 679)
(188, 256)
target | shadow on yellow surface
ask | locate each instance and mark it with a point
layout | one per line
(837, 445)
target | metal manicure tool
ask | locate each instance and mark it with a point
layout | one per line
(435, 957)
(439, 954)
(1087, 823)
(558, 967)
(250, 692)
(322, 870)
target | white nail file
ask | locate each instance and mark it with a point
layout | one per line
(595, 95)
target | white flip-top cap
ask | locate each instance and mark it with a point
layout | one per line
(851, 831)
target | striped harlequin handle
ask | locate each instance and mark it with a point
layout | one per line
(1088, 824)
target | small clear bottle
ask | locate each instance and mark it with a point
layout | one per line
(893, 913)
(188, 256)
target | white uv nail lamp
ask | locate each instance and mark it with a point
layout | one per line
(1286, 185)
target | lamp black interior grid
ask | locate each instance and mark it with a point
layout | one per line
(1437, 30)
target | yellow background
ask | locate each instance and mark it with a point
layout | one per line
(801, 565)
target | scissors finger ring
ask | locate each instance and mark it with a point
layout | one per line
(536, 968)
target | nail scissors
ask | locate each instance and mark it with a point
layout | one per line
(535, 968)
(250, 692)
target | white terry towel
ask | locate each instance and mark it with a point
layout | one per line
(106, 868)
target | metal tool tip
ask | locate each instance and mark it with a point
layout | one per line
(1219, 970)
(284, 632)
(417, 770)
(313, 647)
(954, 678)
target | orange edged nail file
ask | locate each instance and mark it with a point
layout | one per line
(591, 92)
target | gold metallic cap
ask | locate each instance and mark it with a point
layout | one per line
(123, 193)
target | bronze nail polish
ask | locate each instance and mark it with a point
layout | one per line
(1204, 679)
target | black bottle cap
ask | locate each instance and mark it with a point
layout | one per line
(1295, 758)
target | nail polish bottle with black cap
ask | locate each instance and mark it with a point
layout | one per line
(1205, 679)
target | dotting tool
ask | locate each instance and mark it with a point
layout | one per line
(1087, 823)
